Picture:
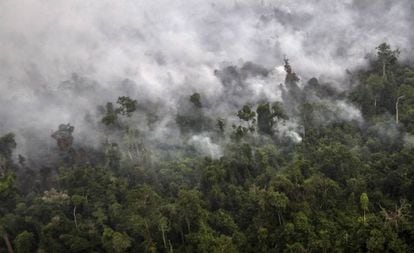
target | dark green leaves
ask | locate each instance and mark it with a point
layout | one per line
(126, 107)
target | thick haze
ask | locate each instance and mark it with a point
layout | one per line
(164, 50)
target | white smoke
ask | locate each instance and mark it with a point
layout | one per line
(171, 48)
(205, 146)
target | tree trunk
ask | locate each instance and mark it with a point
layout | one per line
(182, 236)
(8, 243)
(280, 220)
(188, 225)
(396, 109)
(171, 248)
(163, 237)
(74, 218)
(304, 131)
(396, 112)
(148, 230)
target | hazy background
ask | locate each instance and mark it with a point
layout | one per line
(161, 51)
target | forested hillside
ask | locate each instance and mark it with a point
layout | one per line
(321, 170)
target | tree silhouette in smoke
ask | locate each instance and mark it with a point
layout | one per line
(63, 136)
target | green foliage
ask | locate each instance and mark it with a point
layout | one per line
(364, 201)
(382, 85)
(267, 116)
(262, 195)
(193, 120)
(6, 184)
(7, 144)
(24, 242)
(291, 77)
(246, 113)
(114, 241)
(111, 115)
(220, 125)
(126, 107)
(195, 99)
(387, 58)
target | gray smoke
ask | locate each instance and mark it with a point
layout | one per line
(160, 52)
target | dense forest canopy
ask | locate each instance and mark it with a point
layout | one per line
(342, 184)
(207, 127)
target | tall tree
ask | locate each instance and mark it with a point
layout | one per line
(387, 58)
(364, 201)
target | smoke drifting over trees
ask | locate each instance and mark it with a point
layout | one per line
(61, 59)
(206, 126)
